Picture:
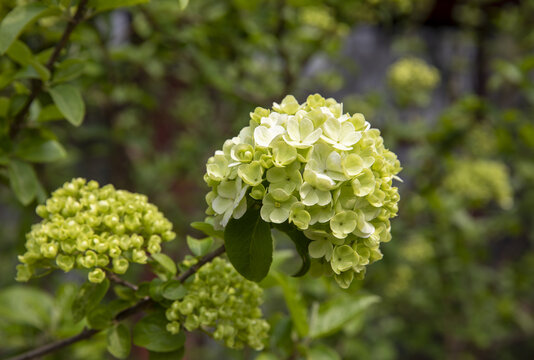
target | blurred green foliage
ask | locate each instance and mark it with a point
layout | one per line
(164, 83)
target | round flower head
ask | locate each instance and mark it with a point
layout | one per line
(412, 80)
(224, 304)
(326, 173)
(480, 181)
(96, 228)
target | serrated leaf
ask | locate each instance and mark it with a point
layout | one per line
(151, 333)
(207, 229)
(40, 150)
(88, 298)
(119, 341)
(23, 181)
(199, 247)
(69, 101)
(249, 245)
(330, 317)
(16, 20)
(295, 304)
(104, 5)
(166, 263)
(174, 290)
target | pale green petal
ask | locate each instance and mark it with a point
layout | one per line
(220, 204)
(252, 173)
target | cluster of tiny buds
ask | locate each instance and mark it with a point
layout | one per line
(480, 181)
(413, 80)
(97, 228)
(223, 304)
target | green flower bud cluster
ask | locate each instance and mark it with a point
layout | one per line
(326, 172)
(224, 304)
(412, 81)
(481, 181)
(85, 226)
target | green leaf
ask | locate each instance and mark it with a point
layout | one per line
(249, 245)
(104, 5)
(124, 293)
(166, 263)
(155, 289)
(49, 113)
(207, 229)
(332, 316)
(88, 298)
(151, 333)
(199, 247)
(322, 352)
(99, 317)
(40, 150)
(119, 341)
(174, 290)
(295, 304)
(4, 105)
(23, 180)
(27, 306)
(301, 244)
(173, 355)
(20, 53)
(68, 70)
(69, 101)
(16, 21)
(43, 72)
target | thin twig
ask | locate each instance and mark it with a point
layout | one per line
(46, 349)
(117, 280)
(138, 307)
(193, 269)
(36, 87)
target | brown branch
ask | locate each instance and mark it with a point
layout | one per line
(88, 333)
(36, 87)
(117, 280)
(85, 334)
(193, 269)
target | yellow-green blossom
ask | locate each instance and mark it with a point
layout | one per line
(96, 228)
(224, 304)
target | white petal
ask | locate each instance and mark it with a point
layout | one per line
(221, 205)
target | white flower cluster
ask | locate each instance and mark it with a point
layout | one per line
(326, 172)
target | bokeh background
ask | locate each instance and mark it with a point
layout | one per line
(450, 84)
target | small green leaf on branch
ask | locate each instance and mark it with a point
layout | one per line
(119, 341)
(199, 247)
(69, 101)
(151, 333)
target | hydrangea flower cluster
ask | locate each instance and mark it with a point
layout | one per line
(412, 81)
(480, 181)
(97, 228)
(326, 172)
(224, 304)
